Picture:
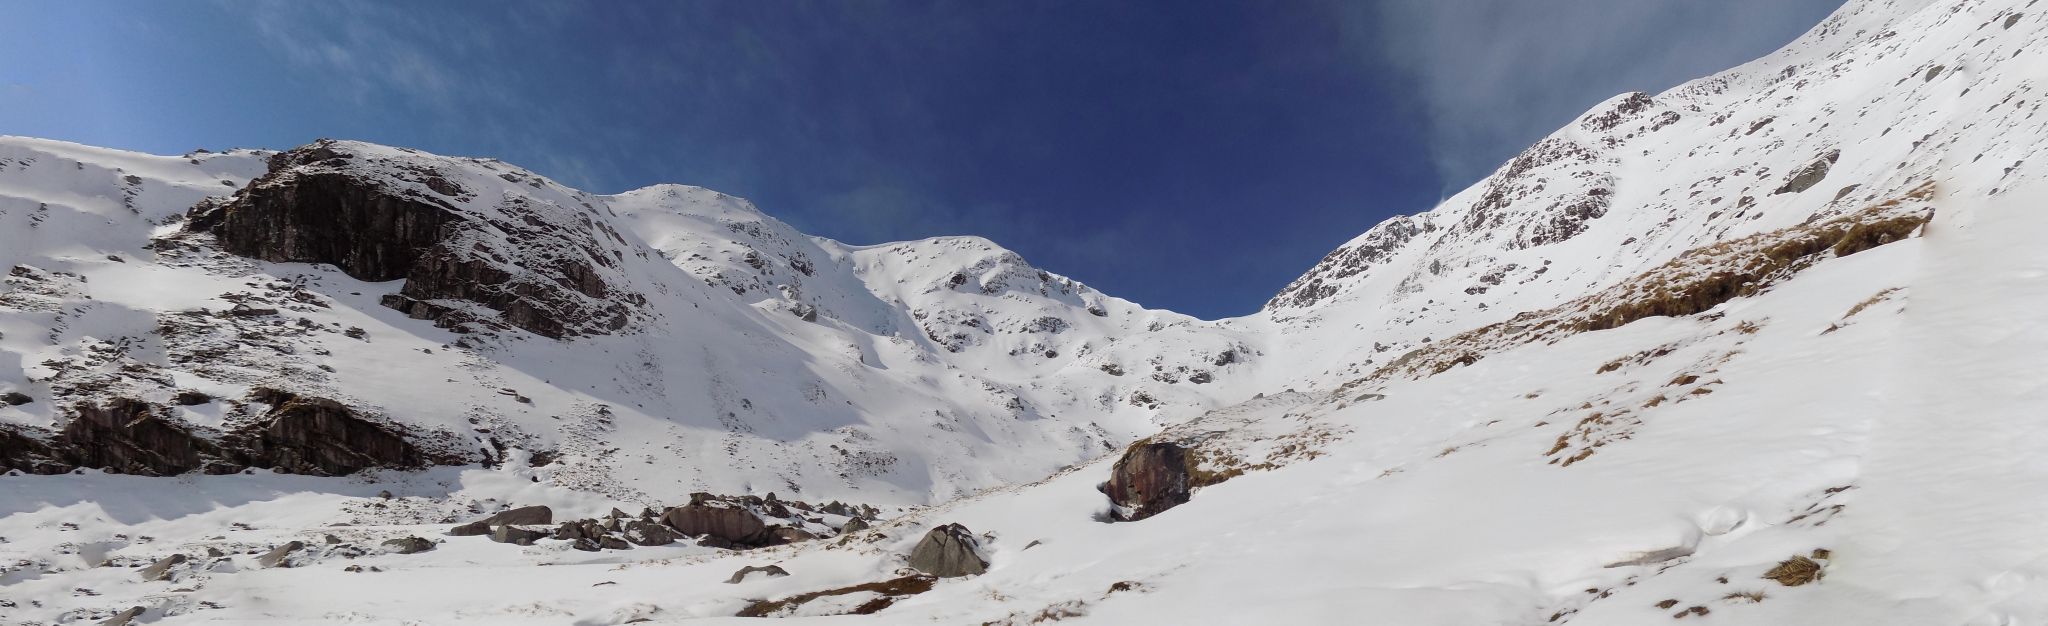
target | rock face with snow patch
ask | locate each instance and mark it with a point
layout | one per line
(323, 437)
(542, 261)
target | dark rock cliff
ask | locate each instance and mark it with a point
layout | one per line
(538, 265)
(299, 435)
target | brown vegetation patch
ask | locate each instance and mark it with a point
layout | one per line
(1795, 571)
(892, 590)
(1692, 283)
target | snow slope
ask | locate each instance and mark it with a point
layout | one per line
(1787, 312)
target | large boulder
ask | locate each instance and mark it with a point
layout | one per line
(536, 514)
(948, 551)
(541, 256)
(736, 526)
(1151, 477)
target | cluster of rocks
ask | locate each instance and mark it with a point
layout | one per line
(726, 522)
(288, 554)
(295, 434)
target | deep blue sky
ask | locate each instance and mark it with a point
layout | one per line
(1187, 154)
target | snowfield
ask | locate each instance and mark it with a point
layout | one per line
(1766, 348)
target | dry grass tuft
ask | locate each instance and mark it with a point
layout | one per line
(1795, 571)
(1751, 597)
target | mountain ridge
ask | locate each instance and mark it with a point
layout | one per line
(1758, 349)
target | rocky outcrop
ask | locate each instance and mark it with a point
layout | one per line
(1151, 477)
(531, 254)
(949, 551)
(323, 437)
(130, 437)
(298, 434)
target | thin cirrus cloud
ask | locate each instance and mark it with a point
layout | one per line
(1496, 75)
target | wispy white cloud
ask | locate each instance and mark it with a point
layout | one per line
(1495, 75)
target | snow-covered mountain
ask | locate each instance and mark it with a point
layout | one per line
(1760, 349)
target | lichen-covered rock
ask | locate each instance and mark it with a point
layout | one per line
(949, 551)
(531, 254)
(1151, 477)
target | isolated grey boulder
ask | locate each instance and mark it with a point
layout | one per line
(281, 555)
(408, 545)
(772, 571)
(854, 525)
(949, 551)
(161, 570)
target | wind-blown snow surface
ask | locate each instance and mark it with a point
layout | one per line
(1879, 406)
